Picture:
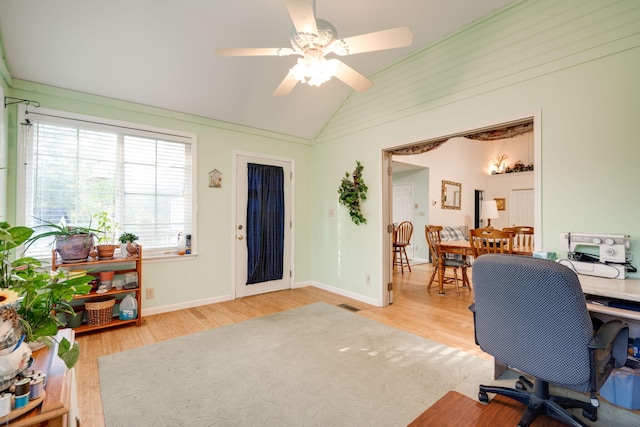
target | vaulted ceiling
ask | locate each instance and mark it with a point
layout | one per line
(160, 52)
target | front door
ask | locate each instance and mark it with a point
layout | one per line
(263, 225)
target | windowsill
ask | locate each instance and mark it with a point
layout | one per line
(168, 256)
(157, 257)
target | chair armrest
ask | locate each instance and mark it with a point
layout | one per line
(607, 350)
(472, 308)
(606, 333)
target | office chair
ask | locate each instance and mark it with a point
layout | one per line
(531, 315)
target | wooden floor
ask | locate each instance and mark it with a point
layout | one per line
(471, 413)
(415, 309)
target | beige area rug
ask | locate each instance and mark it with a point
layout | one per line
(317, 365)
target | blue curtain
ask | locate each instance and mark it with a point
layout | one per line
(265, 223)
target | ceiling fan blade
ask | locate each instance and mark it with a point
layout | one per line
(286, 86)
(379, 40)
(351, 77)
(303, 16)
(255, 51)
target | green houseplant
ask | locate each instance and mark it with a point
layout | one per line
(42, 294)
(106, 231)
(125, 238)
(353, 191)
(73, 243)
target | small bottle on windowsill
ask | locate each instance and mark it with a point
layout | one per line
(182, 244)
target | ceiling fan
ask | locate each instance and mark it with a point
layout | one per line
(313, 38)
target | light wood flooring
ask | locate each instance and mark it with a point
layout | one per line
(415, 309)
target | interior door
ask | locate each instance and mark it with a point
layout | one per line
(403, 207)
(243, 239)
(521, 207)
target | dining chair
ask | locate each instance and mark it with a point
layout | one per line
(523, 235)
(432, 233)
(490, 241)
(402, 239)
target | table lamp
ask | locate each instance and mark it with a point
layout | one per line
(489, 211)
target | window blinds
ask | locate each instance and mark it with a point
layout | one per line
(77, 168)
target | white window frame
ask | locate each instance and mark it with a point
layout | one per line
(108, 124)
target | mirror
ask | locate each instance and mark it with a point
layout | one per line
(451, 194)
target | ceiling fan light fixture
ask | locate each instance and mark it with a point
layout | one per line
(313, 39)
(314, 71)
(327, 33)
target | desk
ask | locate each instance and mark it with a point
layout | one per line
(622, 289)
(463, 247)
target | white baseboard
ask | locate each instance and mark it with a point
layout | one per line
(348, 294)
(184, 305)
(200, 302)
(302, 285)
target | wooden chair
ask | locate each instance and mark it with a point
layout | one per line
(432, 232)
(490, 241)
(402, 239)
(523, 236)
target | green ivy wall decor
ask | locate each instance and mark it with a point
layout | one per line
(352, 193)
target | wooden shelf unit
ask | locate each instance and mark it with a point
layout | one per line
(119, 269)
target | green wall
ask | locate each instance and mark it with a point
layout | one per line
(574, 63)
(181, 282)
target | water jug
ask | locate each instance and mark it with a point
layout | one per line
(128, 308)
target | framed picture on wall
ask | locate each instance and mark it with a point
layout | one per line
(500, 203)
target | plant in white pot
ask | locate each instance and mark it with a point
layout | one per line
(106, 232)
(124, 239)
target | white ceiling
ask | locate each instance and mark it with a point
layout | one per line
(160, 52)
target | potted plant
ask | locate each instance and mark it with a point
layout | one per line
(72, 243)
(41, 294)
(124, 239)
(107, 229)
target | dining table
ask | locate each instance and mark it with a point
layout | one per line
(463, 248)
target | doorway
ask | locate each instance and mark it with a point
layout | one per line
(263, 224)
(521, 207)
(478, 197)
(533, 121)
(403, 208)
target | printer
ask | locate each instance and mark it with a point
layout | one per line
(612, 261)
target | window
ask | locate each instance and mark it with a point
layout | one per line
(77, 166)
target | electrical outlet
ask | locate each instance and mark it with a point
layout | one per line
(150, 293)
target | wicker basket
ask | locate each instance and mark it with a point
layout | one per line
(99, 310)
